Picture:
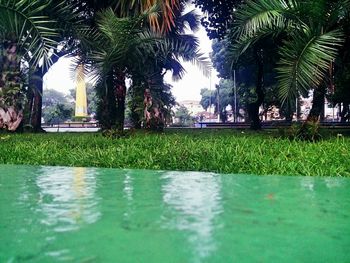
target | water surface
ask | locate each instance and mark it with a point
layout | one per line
(56, 214)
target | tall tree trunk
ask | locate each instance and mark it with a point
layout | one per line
(289, 112)
(344, 114)
(153, 108)
(36, 110)
(106, 108)
(120, 94)
(253, 108)
(147, 105)
(37, 83)
(28, 107)
(135, 104)
(317, 104)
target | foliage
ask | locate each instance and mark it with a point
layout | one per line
(36, 27)
(115, 134)
(207, 98)
(111, 50)
(221, 97)
(307, 131)
(220, 58)
(339, 91)
(223, 151)
(225, 94)
(255, 77)
(57, 113)
(311, 33)
(22, 24)
(165, 101)
(57, 106)
(135, 100)
(183, 115)
(124, 46)
(31, 34)
(175, 44)
(115, 42)
(310, 131)
(162, 22)
(53, 97)
(218, 16)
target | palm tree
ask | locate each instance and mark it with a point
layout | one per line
(120, 47)
(24, 35)
(176, 44)
(109, 52)
(311, 34)
(29, 36)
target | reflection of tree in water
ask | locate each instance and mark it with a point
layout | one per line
(140, 199)
(128, 192)
(67, 197)
(319, 194)
(194, 199)
(128, 188)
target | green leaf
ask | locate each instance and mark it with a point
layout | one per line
(305, 59)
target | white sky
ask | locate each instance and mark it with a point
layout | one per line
(188, 88)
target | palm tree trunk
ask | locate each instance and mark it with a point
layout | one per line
(11, 116)
(106, 108)
(36, 110)
(253, 108)
(147, 105)
(120, 94)
(28, 107)
(37, 83)
(135, 103)
(317, 109)
(344, 114)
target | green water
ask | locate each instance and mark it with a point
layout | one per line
(55, 214)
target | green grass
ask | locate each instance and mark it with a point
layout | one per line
(223, 151)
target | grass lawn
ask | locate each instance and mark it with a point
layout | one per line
(222, 151)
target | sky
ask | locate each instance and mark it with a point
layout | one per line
(188, 88)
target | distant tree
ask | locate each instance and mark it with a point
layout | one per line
(57, 113)
(224, 92)
(220, 98)
(220, 59)
(208, 98)
(184, 116)
(57, 106)
(254, 72)
(53, 97)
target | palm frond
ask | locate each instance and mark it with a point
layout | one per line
(264, 14)
(304, 61)
(33, 26)
(189, 21)
(176, 67)
(162, 22)
(116, 42)
(187, 47)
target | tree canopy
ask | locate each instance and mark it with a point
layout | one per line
(218, 16)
